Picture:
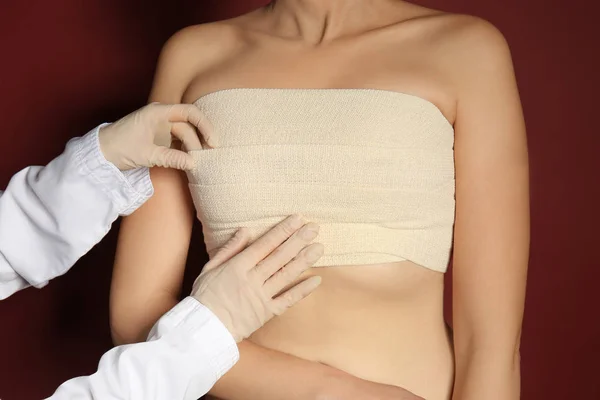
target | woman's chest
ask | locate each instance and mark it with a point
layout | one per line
(372, 65)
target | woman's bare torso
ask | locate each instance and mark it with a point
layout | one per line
(379, 322)
(383, 323)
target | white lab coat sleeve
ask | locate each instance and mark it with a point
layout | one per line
(51, 216)
(187, 351)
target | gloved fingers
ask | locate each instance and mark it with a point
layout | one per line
(287, 251)
(264, 245)
(294, 295)
(162, 133)
(232, 247)
(292, 271)
(170, 158)
(191, 114)
(187, 134)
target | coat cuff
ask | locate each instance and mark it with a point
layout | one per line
(128, 190)
(191, 323)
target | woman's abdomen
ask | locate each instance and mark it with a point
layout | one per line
(383, 323)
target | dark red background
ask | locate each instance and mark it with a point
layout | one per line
(68, 65)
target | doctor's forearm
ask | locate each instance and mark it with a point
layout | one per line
(188, 350)
(51, 216)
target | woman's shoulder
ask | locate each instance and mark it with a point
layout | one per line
(460, 44)
(209, 43)
(197, 48)
(470, 32)
(463, 37)
(475, 50)
(205, 37)
(452, 29)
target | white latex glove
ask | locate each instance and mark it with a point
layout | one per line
(242, 285)
(143, 138)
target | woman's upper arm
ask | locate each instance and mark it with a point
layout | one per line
(491, 237)
(154, 240)
(150, 260)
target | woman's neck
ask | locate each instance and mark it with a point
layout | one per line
(318, 21)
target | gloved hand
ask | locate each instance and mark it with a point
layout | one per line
(142, 138)
(242, 285)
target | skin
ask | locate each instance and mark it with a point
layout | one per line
(459, 63)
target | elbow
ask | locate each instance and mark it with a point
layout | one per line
(118, 339)
(133, 324)
(470, 340)
(516, 354)
(128, 326)
(123, 333)
(500, 351)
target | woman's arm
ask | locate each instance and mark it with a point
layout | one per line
(153, 241)
(263, 374)
(491, 238)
